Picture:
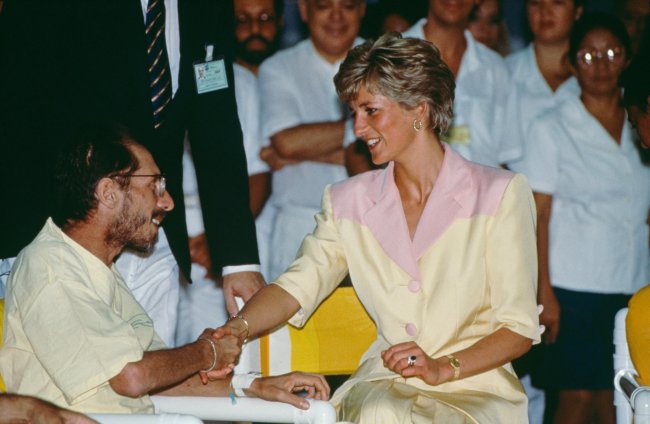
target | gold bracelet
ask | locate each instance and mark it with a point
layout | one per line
(245, 323)
(455, 364)
(214, 353)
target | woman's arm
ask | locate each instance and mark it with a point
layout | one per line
(550, 316)
(490, 352)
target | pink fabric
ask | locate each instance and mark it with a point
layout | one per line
(463, 190)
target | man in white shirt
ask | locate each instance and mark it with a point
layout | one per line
(305, 120)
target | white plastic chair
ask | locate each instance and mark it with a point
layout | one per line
(630, 399)
(145, 419)
(245, 409)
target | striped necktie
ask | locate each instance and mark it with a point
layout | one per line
(160, 83)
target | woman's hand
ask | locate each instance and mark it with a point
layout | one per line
(430, 370)
(550, 316)
(283, 388)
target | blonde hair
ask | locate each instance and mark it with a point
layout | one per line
(408, 71)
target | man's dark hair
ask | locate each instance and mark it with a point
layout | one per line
(94, 152)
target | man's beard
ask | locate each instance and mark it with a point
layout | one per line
(126, 228)
(256, 57)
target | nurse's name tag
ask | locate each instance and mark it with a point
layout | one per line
(210, 76)
(458, 134)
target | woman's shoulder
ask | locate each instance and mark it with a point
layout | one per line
(355, 194)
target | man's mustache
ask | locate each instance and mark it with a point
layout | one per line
(254, 37)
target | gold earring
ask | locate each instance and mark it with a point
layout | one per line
(417, 125)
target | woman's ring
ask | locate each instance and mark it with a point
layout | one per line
(411, 360)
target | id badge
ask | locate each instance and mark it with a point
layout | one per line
(210, 76)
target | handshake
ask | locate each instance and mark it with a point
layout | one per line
(225, 346)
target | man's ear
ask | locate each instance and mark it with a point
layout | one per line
(107, 193)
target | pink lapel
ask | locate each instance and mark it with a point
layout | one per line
(387, 222)
(445, 202)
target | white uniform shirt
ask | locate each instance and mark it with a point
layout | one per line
(296, 87)
(598, 236)
(531, 97)
(479, 106)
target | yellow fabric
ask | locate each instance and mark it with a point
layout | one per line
(637, 326)
(71, 325)
(3, 389)
(335, 337)
(478, 276)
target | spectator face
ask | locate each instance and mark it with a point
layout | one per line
(453, 13)
(333, 25)
(486, 23)
(256, 30)
(599, 62)
(551, 20)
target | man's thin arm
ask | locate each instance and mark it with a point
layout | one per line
(309, 141)
(168, 367)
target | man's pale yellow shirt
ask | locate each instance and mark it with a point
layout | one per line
(70, 325)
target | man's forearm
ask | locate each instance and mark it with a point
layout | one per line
(163, 368)
(309, 141)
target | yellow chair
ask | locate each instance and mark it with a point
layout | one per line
(331, 342)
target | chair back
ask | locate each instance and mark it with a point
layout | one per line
(331, 342)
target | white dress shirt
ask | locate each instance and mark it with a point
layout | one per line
(530, 97)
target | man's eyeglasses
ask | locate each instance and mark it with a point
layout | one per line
(589, 57)
(161, 181)
(261, 19)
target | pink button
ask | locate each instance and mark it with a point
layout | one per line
(411, 329)
(414, 286)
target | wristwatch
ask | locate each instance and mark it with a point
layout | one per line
(455, 364)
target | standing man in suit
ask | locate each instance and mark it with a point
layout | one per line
(70, 63)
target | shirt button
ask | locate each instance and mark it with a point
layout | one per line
(411, 329)
(414, 286)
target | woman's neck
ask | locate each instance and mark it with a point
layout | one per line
(608, 111)
(551, 61)
(417, 170)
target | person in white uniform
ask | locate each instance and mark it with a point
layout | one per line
(593, 195)
(539, 73)
(540, 80)
(305, 121)
(481, 83)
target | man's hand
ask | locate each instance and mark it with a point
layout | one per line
(200, 254)
(228, 348)
(282, 388)
(243, 284)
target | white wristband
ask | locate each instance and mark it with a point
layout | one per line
(243, 381)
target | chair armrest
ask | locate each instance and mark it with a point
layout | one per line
(145, 419)
(246, 409)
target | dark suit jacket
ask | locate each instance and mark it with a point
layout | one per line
(66, 63)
